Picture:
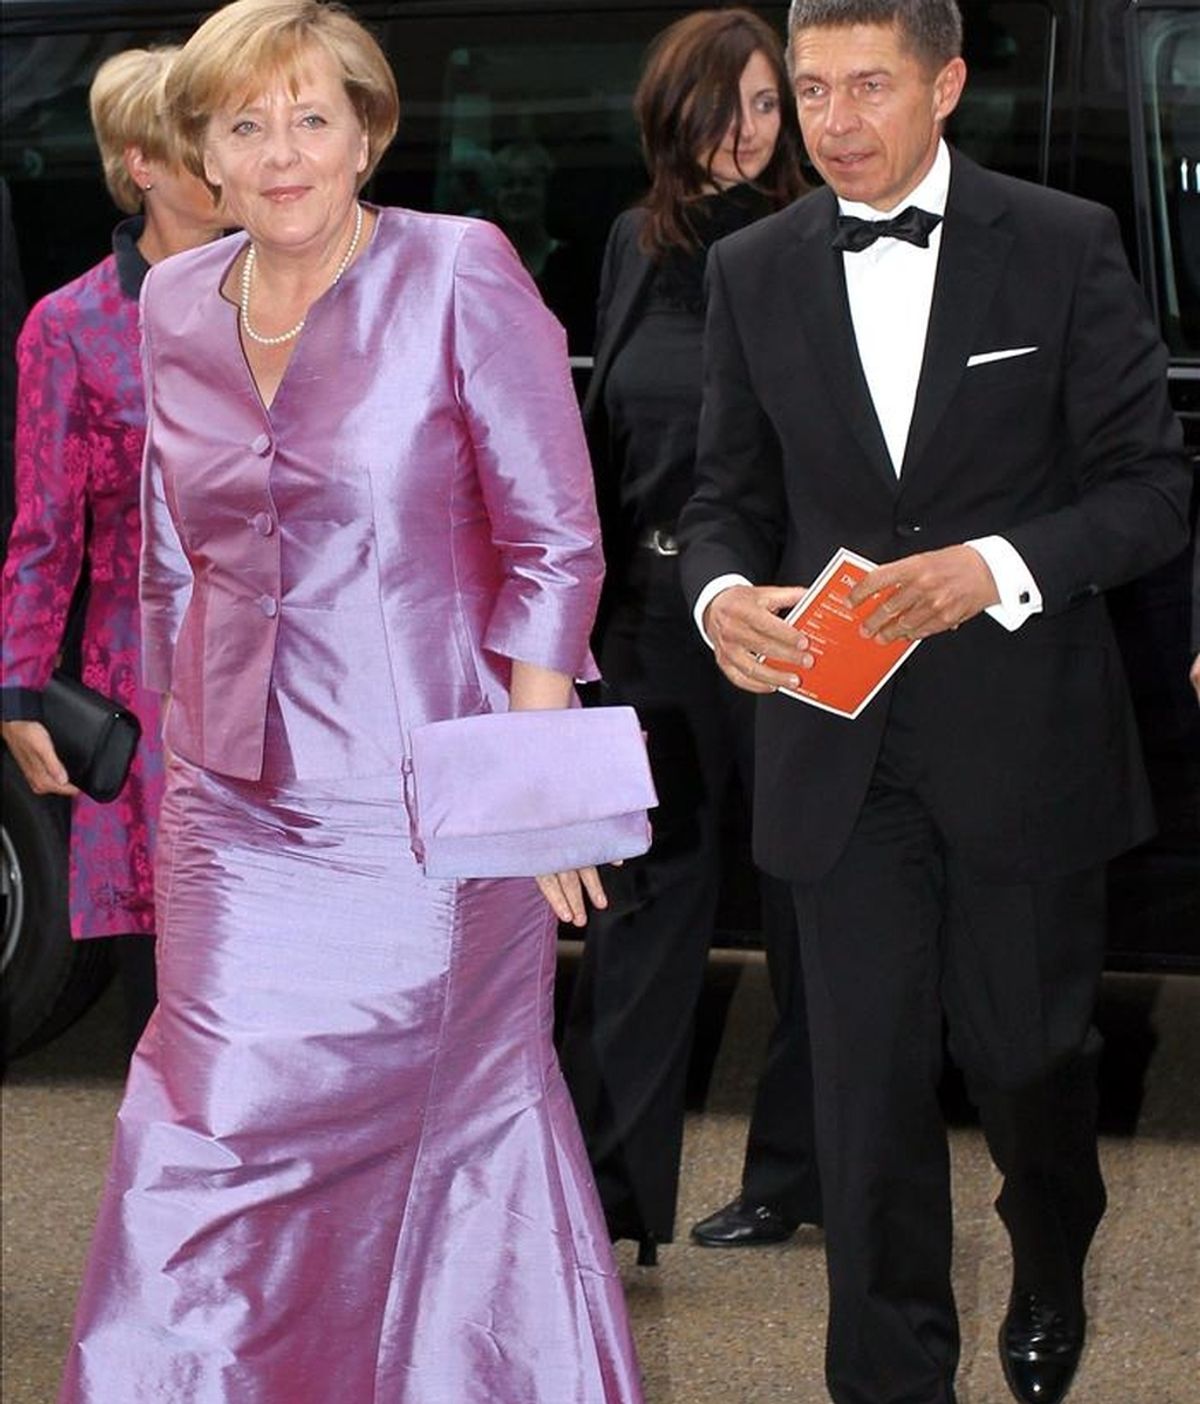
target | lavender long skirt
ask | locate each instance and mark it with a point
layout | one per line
(346, 1168)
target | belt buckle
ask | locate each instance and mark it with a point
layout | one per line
(662, 543)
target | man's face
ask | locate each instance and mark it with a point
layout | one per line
(870, 110)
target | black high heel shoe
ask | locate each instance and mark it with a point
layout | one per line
(647, 1243)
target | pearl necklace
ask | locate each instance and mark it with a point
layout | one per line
(247, 273)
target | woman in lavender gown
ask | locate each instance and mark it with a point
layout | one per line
(346, 1167)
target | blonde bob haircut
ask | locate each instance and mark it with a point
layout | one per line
(127, 102)
(237, 52)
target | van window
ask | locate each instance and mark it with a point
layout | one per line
(1168, 52)
(529, 125)
(1003, 118)
(541, 139)
(525, 123)
(537, 132)
(48, 154)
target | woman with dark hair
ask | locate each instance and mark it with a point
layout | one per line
(721, 144)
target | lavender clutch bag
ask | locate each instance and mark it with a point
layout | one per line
(519, 794)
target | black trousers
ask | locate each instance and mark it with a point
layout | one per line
(139, 984)
(898, 938)
(628, 1032)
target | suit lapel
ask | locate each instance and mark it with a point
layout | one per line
(970, 264)
(823, 310)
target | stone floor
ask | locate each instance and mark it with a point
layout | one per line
(722, 1327)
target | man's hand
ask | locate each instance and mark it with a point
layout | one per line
(1194, 675)
(926, 594)
(30, 746)
(743, 622)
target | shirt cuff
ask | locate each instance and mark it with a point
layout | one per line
(1019, 595)
(710, 593)
(20, 704)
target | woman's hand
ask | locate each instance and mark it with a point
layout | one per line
(534, 688)
(30, 745)
(565, 893)
(542, 689)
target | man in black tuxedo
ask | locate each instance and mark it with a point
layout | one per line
(975, 396)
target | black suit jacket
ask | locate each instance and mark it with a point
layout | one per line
(1071, 452)
(625, 277)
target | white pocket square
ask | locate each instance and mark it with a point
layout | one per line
(985, 356)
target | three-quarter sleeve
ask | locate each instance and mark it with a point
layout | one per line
(45, 549)
(165, 579)
(513, 383)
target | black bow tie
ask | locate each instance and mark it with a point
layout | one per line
(913, 225)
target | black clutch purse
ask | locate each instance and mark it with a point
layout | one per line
(95, 737)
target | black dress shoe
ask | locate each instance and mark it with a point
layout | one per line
(743, 1225)
(1040, 1345)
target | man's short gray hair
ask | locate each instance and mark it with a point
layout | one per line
(931, 28)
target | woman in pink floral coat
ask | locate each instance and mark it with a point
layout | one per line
(78, 453)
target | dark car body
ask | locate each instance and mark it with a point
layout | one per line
(1093, 96)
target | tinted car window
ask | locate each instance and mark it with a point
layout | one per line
(63, 214)
(1168, 57)
(1003, 117)
(496, 116)
(530, 127)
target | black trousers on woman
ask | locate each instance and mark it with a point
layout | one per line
(139, 984)
(628, 1032)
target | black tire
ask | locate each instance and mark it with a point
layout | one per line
(46, 979)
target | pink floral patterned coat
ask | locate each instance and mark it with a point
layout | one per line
(80, 428)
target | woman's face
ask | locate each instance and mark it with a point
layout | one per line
(736, 160)
(288, 163)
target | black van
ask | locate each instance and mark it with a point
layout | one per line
(520, 112)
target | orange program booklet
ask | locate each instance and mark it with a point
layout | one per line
(848, 669)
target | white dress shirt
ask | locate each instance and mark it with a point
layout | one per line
(890, 290)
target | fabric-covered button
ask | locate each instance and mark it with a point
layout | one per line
(262, 444)
(262, 523)
(269, 605)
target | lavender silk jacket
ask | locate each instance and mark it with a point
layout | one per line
(414, 510)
